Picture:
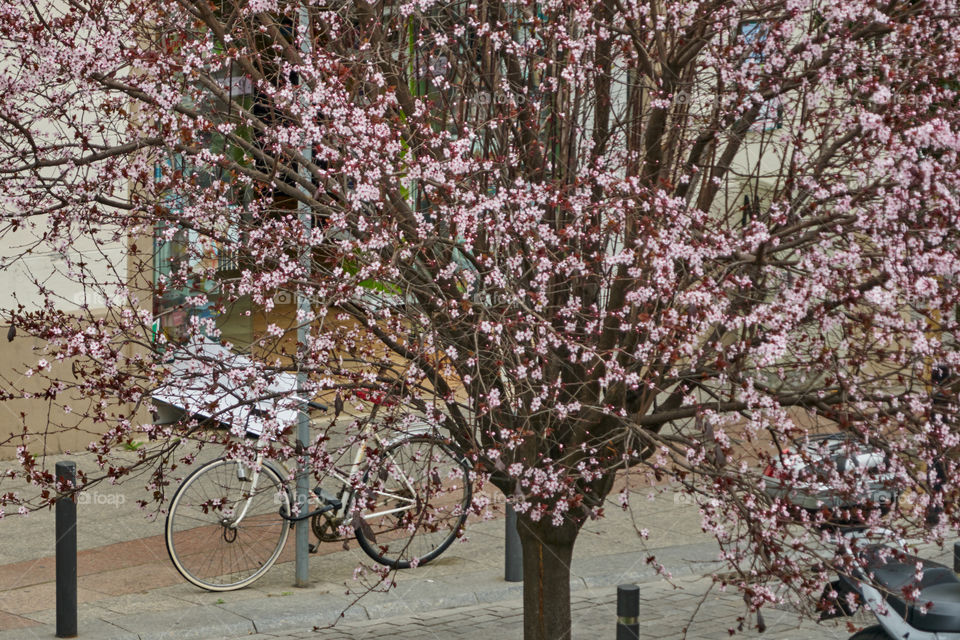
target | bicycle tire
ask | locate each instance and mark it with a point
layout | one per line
(876, 632)
(437, 512)
(207, 552)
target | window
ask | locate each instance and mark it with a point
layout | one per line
(754, 35)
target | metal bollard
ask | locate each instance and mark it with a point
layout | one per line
(66, 549)
(956, 557)
(512, 551)
(628, 612)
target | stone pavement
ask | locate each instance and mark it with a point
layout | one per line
(666, 611)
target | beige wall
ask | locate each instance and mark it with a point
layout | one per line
(49, 428)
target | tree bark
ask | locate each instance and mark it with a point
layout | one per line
(547, 552)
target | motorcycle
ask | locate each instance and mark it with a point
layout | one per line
(909, 604)
(911, 598)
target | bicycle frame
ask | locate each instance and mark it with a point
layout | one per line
(346, 505)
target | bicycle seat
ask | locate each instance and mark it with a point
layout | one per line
(937, 608)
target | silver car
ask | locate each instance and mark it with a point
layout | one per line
(804, 472)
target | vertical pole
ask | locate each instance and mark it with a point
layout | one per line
(66, 550)
(512, 551)
(302, 529)
(939, 377)
(628, 612)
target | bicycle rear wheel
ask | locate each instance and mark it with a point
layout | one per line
(205, 540)
(414, 502)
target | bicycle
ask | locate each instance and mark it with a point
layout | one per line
(407, 500)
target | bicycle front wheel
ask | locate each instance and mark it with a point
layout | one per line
(223, 531)
(414, 502)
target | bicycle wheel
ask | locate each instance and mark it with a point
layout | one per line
(414, 502)
(205, 540)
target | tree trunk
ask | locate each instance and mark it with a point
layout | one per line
(547, 552)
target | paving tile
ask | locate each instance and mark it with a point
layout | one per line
(24, 574)
(123, 554)
(40, 597)
(11, 621)
(190, 623)
(90, 561)
(87, 629)
(136, 579)
(137, 603)
(87, 613)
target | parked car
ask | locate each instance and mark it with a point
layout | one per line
(802, 474)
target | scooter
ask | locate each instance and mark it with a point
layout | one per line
(906, 607)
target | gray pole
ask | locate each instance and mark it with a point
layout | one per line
(302, 528)
(66, 550)
(512, 551)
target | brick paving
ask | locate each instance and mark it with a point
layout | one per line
(665, 612)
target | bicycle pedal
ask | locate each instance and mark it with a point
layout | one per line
(314, 547)
(327, 498)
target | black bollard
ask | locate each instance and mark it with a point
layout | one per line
(956, 557)
(66, 525)
(628, 612)
(512, 551)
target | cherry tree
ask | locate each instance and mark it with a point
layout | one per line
(576, 237)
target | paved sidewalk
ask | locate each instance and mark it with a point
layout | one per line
(128, 588)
